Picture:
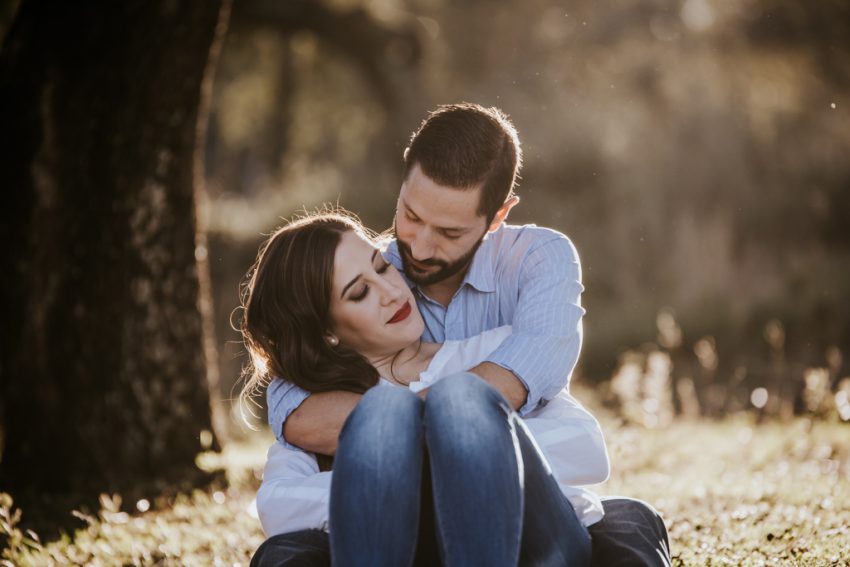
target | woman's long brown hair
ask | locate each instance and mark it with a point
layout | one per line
(286, 311)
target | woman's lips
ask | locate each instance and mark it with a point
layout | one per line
(401, 314)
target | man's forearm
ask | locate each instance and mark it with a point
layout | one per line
(504, 381)
(315, 425)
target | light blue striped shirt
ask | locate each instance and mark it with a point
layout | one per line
(528, 277)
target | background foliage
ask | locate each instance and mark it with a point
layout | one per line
(693, 150)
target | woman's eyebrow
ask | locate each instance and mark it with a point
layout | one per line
(357, 277)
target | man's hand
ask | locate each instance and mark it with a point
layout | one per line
(504, 381)
(315, 424)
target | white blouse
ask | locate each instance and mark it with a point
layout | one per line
(294, 494)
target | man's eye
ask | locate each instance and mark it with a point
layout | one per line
(451, 236)
(361, 295)
(410, 216)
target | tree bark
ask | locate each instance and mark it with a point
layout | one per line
(104, 370)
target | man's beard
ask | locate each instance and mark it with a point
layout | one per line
(446, 269)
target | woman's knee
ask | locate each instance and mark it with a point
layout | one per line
(463, 410)
(382, 436)
(462, 385)
(384, 408)
(457, 397)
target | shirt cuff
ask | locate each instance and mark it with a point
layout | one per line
(283, 398)
(543, 374)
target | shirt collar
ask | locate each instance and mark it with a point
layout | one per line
(482, 271)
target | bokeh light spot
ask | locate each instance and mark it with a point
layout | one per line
(759, 397)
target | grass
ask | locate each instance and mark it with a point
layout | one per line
(733, 493)
(736, 493)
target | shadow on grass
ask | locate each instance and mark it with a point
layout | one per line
(47, 517)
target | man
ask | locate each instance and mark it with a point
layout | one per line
(470, 273)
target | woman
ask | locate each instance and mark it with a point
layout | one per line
(324, 309)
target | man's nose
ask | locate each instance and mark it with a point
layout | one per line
(421, 247)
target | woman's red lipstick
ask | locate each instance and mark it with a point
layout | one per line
(401, 314)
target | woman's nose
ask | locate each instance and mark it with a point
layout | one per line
(390, 293)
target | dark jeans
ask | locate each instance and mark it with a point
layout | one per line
(631, 534)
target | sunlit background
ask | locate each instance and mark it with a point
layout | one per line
(695, 151)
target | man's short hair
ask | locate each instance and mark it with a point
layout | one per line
(465, 145)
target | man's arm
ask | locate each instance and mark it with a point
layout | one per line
(546, 338)
(504, 381)
(316, 423)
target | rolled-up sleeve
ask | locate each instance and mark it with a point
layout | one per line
(283, 398)
(547, 329)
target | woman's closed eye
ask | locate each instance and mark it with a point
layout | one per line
(361, 294)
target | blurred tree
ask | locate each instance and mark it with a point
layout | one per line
(822, 28)
(104, 372)
(7, 13)
(355, 33)
(253, 110)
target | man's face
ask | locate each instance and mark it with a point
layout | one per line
(438, 228)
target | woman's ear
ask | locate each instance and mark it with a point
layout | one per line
(502, 213)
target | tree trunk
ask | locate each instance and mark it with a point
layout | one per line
(104, 370)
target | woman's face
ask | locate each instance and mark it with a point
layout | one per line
(372, 310)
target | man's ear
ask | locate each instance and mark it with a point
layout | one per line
(502, 213)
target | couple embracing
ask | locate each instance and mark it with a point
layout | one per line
(433, 370)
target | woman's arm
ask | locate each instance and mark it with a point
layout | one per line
(294, 495)
(571, 440)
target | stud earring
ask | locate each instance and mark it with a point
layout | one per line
(333, 341)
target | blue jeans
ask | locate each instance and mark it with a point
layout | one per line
(492, 498)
